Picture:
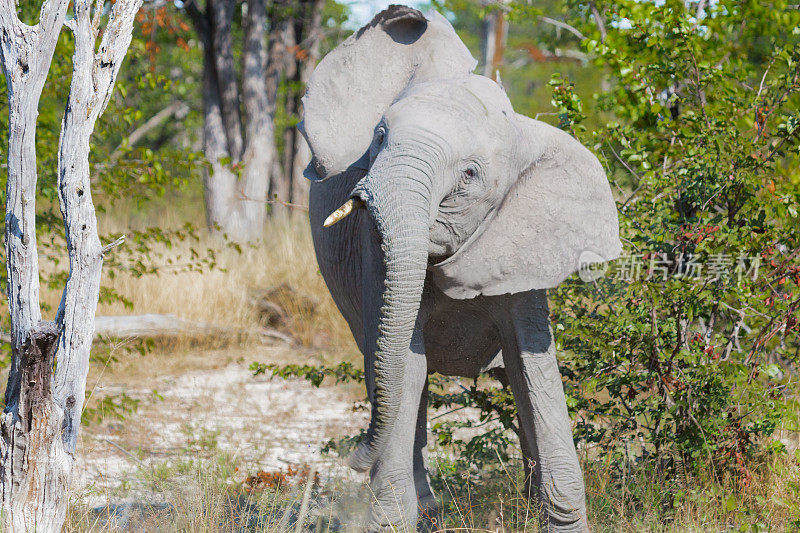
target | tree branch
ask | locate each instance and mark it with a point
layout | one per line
(559, 24)
(598, 19)
(173, 109)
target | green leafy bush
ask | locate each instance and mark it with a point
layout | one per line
(687, 344)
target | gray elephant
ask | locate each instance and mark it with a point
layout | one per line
(448, 215)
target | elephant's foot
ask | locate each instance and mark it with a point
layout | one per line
(558, 496)
(562, 513)
(394, 502)
(430, 515)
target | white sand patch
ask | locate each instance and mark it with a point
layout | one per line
(267, 423)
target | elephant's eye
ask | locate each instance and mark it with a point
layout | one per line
(470, 173)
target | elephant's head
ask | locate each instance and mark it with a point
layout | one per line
(489, 201)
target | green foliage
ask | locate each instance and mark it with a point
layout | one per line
(569, 105)
(116, 406)
(689, 342)
(342, 373)
(481, 439)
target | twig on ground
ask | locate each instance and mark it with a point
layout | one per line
(301, 517)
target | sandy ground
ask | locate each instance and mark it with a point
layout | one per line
(268, 424)
(262, 423)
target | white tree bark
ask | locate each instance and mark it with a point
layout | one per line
(39, 426)
(219, 181)
(25, 53)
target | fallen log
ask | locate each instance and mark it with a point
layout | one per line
(168, 325)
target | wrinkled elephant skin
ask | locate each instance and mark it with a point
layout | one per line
(458, 214)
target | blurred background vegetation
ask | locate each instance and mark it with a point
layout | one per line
(682, 383)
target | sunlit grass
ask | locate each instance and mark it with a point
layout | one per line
(190, 495)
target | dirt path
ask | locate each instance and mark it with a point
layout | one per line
(267, 424)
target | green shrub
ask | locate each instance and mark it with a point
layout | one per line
(686, 346)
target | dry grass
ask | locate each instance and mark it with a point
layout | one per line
(225, 294)
(281, 269)
(646, 500)
(284, 262)
(205, 495)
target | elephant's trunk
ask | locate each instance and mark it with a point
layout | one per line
(397, 197)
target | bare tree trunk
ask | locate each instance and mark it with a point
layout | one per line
(278, 189)
(499, 42)
(39, 426)
(493, 38)
(294, 71)
(301, 37)
(235, 203)
(26, 56)
(312, 29)
(488, 41)
(283, 189)
(221, 124)
(219, 181)
(220, 20)
(276, 58)
(260, 147)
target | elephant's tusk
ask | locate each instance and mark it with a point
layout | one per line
(348, 207)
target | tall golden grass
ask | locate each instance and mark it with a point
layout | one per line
(281, 268)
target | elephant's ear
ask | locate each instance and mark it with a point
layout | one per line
(558, 216)
(354, 84)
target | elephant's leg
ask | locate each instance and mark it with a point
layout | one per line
(392, 479)
(527, 460)
(529, 356)
(427, 501)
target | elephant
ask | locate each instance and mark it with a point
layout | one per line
(439, 218)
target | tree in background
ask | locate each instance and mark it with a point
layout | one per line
(50, 360)
(245, 172)
(304, 33)
(239, 156)
(493, 39)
